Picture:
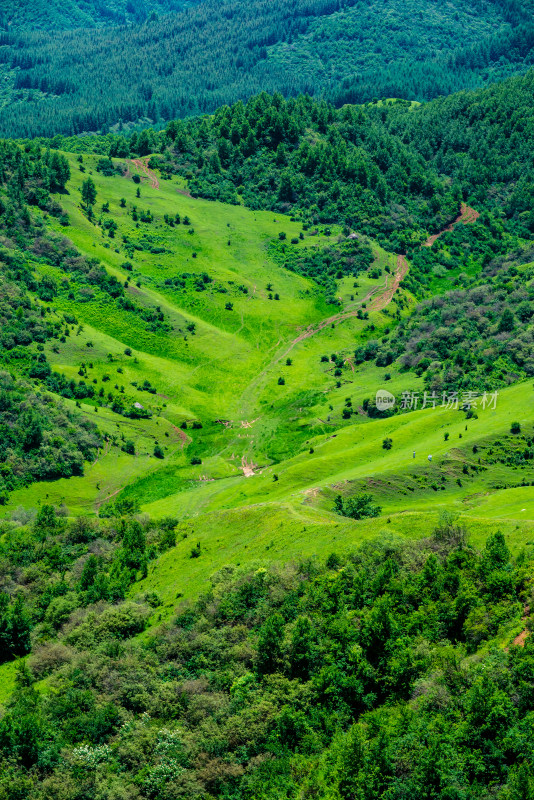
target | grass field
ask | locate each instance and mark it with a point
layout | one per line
(270, 434)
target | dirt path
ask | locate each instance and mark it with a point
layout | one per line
(311, 330)
(184, 438)
(103, 454)
(100, 503)
(142, 166)
(468, 215)
(386, 297)
(519, 641)
(382, 296)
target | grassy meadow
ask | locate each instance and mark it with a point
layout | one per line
(240, 390)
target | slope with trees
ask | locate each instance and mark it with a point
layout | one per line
(376, 674)
(67, 14)
(214, 53)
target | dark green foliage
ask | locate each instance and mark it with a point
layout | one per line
(134, 545)
(344, 166)
(325, 265)
(350, 679)
(88, 191)
(195, 551)
(39, 438)
(506, 322)
(129, 447)
(215, 53)
(359, 507)
(39, 14)
(270, 645)
(14, 628)
(50, 571)
(458, 340)
(470, 137)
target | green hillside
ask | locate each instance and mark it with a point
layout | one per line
(67, 14)
(244, 347)
(225, 570)
(196, 60)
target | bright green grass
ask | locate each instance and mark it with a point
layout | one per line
(223, 371)
(356, 452)
(8, 673)
(228, 372)
(254, 536)
(515, 503)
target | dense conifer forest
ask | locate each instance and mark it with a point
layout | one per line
(218, 52)
(68, 14)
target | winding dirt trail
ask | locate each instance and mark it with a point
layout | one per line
(381, 297)
(184, 438)
(384, 294)
(467, 215)
(143, 167)
(386, 297)
(311, 330)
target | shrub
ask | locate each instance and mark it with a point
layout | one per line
(359, 507)
(116, 622)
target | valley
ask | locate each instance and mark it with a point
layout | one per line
(224, 375)
(227, 569)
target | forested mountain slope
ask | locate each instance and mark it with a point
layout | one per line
(67, 14)
(377, 675)
(482, 139)
(216, 53)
